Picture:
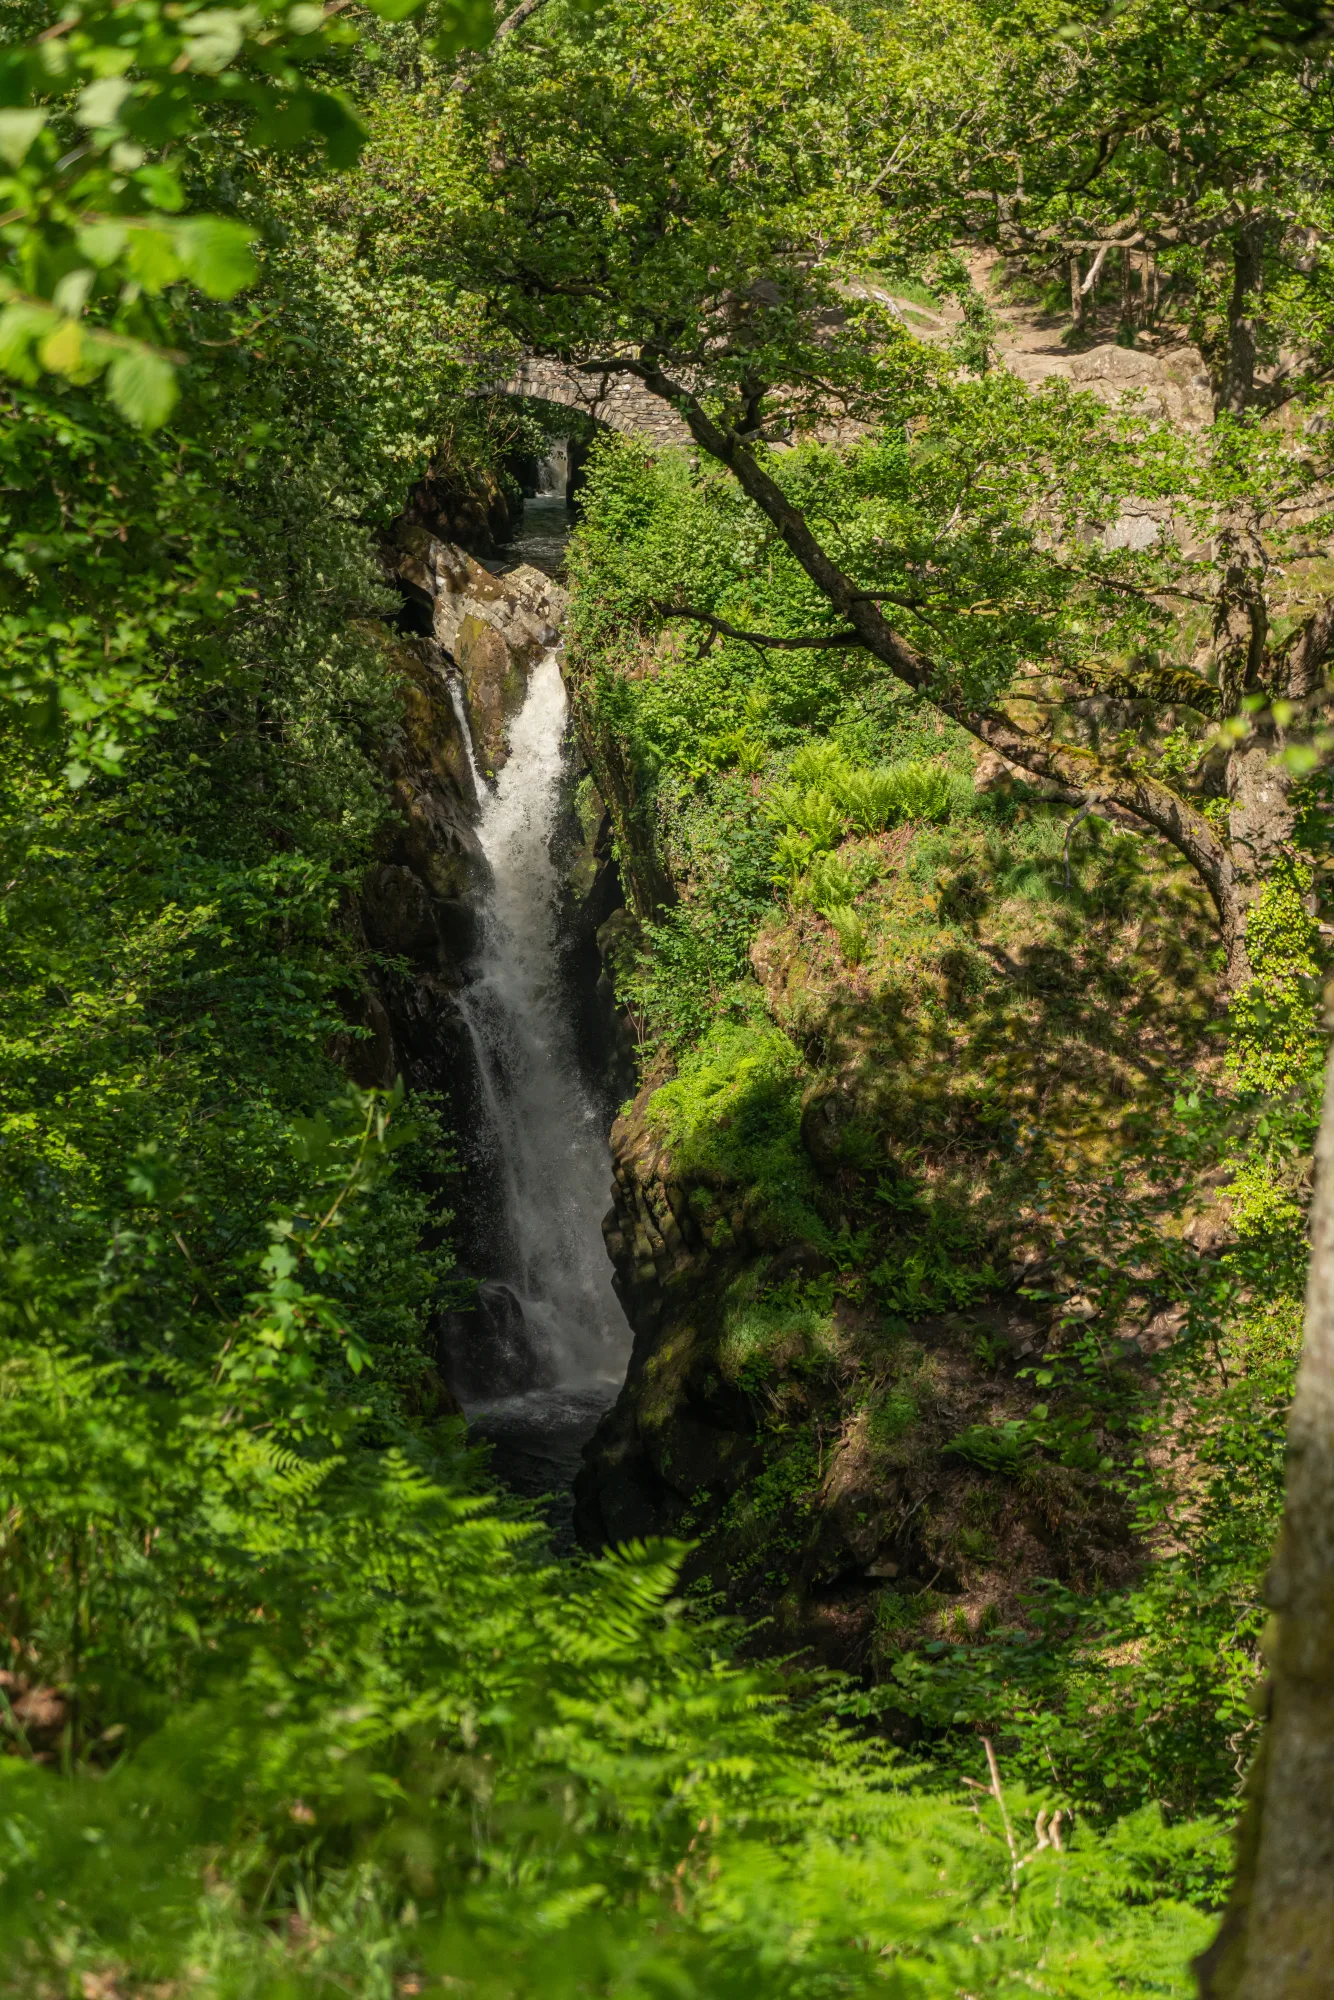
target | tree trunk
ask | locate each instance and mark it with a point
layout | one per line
(1277, 1940)
(1237, 388)
(1076, 295)
(1262, 817)
(1127, 289)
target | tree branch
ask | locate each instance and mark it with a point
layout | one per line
(504, 29)
(1177, 685)
(1069, 764)
(515, 20)
(806, 643)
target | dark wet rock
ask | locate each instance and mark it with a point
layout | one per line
(490, 1350)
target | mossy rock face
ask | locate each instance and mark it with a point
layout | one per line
(794, 1427)
(836, 1135)
(431, 781)
(494, 628)
(495, 681)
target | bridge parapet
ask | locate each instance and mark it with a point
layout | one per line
(617, 401)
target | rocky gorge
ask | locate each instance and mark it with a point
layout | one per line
(850, 1459)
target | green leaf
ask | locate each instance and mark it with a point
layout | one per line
(213, 38)
(20, 327)
(99, 103)
(463, 24)
(18, 129)
(342, 132)
(285, 125)
(102, 242)
(152, 257)
(62, 351)
(143, 387)
(71, 294)
(216, 254)
(162, 187)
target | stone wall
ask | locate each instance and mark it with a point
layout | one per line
(618, 401)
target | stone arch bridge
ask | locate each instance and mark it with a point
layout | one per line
(618, 401)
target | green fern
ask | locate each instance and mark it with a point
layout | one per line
(870, 799)
(994, 1447)
(821, 764)
(810, 811)
(851, 933)
(876, 799)
(832, 881)
(791, 858)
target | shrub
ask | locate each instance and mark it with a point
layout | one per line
(733, 1113)
(832, 883)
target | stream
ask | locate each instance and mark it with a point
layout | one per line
(551, 1343)
(540, 538)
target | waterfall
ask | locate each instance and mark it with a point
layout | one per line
(553, 471)
(566, 1332)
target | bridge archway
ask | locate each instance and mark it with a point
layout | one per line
(616, 401)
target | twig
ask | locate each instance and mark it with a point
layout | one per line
(999, 1797)
(350, 1182)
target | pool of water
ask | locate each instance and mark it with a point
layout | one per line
(536, 1443)
(541, 537)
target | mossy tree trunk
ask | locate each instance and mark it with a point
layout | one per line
(1277, 1940)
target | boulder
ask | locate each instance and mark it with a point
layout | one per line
(1172, 387)
(493, 1351)
(494, 628)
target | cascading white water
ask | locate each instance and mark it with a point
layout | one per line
(552, 1160)
(553, 471)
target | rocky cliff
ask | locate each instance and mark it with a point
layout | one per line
(418, 904)
(462, 671)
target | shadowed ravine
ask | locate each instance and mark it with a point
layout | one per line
(549, 1342)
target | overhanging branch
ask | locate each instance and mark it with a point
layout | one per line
(804, 643)
(1071, 765)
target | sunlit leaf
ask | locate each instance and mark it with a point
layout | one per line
(18, 129)
(162, 187)
(214, 37)
(102, 242)
(71, 294)
(21, 325)
(216, 254)
(100, 102)
(63, 349)
(143, 387)
(152, 257)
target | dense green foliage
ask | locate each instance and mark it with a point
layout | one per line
(1119, 1695)
(293, 1700)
